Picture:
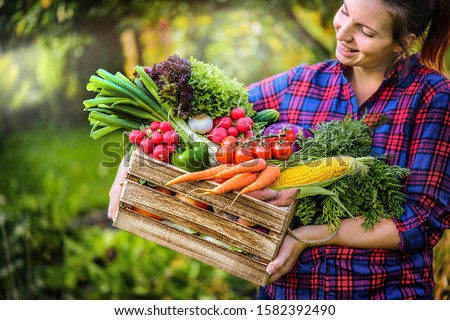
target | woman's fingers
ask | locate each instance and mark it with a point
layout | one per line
(286, 258)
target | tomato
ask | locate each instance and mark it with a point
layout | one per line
(282, 151)
(242, 154)
(229, 141)
(225, 154)
(290, 135)
(264, 152)
(270, 141)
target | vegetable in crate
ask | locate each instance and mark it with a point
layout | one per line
(191, 158)
(172, 78)
(215, 92)
(334, 187)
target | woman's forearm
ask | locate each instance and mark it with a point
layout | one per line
(351, 233)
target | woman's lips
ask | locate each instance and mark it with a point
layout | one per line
(346, 50)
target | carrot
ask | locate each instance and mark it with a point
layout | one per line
(254, 165)
(239, 181)
(199, 175)
(265, 177)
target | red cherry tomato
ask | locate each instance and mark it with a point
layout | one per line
(264, 152)
(282, 151)
(243, 154)
(229, 141)
(290, 135)
(225, 154)
(270, 141)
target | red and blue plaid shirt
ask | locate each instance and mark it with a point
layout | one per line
(417, 135)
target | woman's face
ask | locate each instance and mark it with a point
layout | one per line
(364, 35)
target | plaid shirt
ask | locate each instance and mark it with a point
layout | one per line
(418, 135)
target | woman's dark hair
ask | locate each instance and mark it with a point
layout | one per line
(429, 21)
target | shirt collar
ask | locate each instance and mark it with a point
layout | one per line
(398, 70)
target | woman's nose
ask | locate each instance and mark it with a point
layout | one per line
(343, 32)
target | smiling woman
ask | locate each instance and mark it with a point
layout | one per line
(374, 74)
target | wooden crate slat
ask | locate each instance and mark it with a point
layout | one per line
(204, 251)
(261, 213)
(202, 221)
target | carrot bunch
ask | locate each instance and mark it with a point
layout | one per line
(247, 176)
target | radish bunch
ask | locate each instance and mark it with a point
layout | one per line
(234, 125)
(158, 140)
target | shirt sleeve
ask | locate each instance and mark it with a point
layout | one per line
(428, 187)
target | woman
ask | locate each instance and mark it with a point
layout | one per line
(374, 73)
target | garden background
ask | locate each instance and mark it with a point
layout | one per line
(55, 239)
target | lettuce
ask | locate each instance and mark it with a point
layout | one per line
(215, 92)
(172, 78)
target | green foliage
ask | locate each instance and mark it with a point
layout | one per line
(106, 264)
(215, 92)
(56, 242)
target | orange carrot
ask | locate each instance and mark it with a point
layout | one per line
(199, 175)
(239, 181)
(266, 177)
(254, 165)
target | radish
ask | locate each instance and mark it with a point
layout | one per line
(155, 125)
(226, 122)
(136, 136)
(148, 131)
(244, 124)
(218, 134)
(237, 113)
(170, 137)
(156, 137)
(216, 122)
(161, 152)
(232, 131)
(147, 145)
(172, 148)
(165, 126)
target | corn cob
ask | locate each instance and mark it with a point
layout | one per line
(318, 172)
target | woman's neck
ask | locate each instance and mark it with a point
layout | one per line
(364, 83)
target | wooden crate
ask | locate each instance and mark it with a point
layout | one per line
(258, 247)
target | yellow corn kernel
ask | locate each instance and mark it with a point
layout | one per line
(313, 172)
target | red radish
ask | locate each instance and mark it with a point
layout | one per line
(136, 136)
(237, 113)
(217, 135)
(216, 122)
(170, 137)
(226, 122)
(172, 147)
(161, 152)
(244, 124)
(156, 137)
(155, 125)
(147, 145)
(165, 126)
(248, 134)
(148, 131)
(232, 131)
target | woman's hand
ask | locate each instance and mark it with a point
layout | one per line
(116, 190)
(286, 258)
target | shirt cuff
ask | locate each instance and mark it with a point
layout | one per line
(413, 238)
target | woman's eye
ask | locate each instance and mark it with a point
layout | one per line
(344, 12)
(367, 34)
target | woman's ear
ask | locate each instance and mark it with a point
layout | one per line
(409, 40)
